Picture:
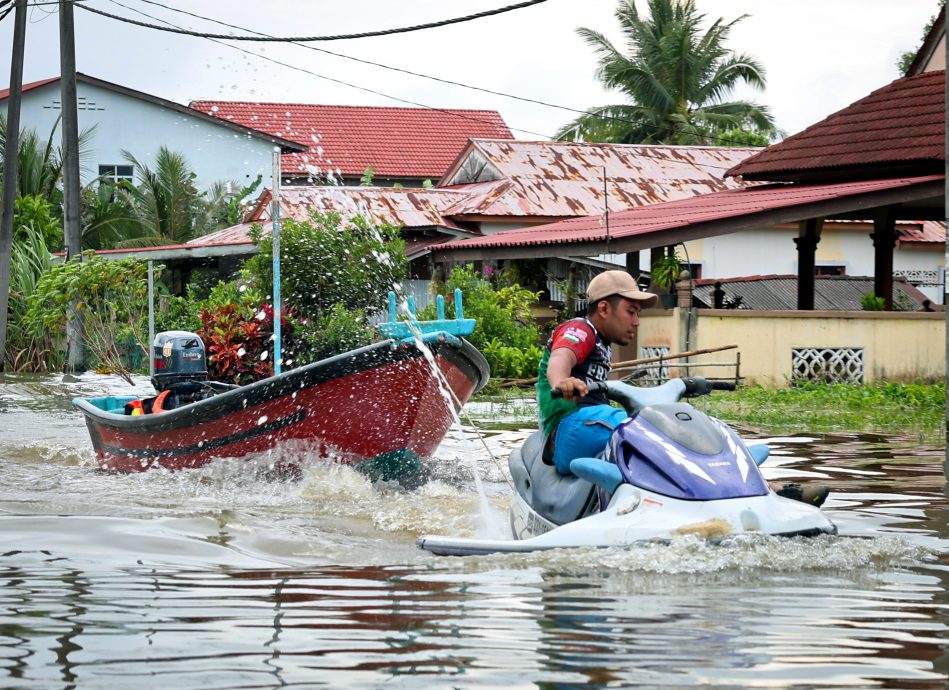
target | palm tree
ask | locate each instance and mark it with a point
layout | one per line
(165, 202)
(40, 163)
(676, 78)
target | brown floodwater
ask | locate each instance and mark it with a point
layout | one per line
(227, 578)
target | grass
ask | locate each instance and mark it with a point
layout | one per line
(898, 409)
(894, 409)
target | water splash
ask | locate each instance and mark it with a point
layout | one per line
(491, 524)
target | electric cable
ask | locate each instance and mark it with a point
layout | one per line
(307, 39)
(710, 139)
(297, 68)
(453, 113)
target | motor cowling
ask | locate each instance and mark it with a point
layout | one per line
(178, 356)
(675, 450)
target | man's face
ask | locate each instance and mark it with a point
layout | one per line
(620, 322)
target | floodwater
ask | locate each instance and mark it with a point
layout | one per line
(226, 577)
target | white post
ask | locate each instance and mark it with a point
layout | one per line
(275, 217)
(151, 318)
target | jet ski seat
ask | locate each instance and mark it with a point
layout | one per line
(554, 496)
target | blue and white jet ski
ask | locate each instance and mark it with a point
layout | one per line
(669, 470)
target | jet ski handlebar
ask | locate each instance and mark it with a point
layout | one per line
(634, 399)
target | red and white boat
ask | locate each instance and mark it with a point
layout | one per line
(381, 406)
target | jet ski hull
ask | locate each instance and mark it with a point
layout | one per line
(635, 516)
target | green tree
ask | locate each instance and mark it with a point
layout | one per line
(40, 163)
(165, 201)
(327, 260)
(111, 295)
(36, 213)
(676, 78)
(906, 59)
(27, 348)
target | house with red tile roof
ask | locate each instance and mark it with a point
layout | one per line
(400, 145)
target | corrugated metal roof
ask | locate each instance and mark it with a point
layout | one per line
(403, 207)
(707, 208)
(927, 232)
(901, 124)
(395, 142)
(566, 179)
(409, 208)
(779, 293)
(415, 246)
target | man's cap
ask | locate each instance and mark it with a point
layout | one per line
(618, 283)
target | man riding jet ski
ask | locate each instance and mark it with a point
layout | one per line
(667, 468)
(578, 422)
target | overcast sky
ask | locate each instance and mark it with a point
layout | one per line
(820, 55)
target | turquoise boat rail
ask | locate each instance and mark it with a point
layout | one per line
(439, 330)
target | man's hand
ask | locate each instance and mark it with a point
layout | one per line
(572, 388)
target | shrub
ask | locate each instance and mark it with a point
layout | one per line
(505, 331)
(37, 213)
(512, 362)
(111, 296)
(327, 262)
(872, 302)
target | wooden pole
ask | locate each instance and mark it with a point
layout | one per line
(70, 124)
(10, 153)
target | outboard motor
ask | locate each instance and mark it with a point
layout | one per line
(179, 358)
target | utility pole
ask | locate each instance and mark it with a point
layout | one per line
(70, 125)
(10, 153)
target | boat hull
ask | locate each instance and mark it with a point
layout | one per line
(381, 404)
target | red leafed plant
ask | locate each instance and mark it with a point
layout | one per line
(235, 340)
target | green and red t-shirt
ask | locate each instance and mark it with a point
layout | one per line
(593, 365)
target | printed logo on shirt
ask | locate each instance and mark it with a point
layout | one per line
(575, 335)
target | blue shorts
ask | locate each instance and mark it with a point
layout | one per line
(584, 434)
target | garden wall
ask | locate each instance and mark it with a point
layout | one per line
(778, 346)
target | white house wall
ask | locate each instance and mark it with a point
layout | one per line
(772, 251)
(214, 153)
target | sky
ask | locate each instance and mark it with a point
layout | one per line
(819, 55)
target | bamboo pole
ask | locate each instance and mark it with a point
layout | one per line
(633, 363)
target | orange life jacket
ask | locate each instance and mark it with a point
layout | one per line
(134, 408)
(159, 404)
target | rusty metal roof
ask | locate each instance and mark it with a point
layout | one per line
(923, 234)
(701, 216)
(405, 207)
(402, 207)
(896, 130)
(779, 293)
(566, 179)
(394, 142)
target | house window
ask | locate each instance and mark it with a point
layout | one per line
(116, 173)
(830, 270)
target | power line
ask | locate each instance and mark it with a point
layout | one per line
(372, 91)
(338, 37)
(340, 81)
(376, 64)
(707, 138)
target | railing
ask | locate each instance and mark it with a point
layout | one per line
(641, 373)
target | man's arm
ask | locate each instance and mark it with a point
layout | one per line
(561, 363)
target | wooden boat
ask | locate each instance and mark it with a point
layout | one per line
(381, 406)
